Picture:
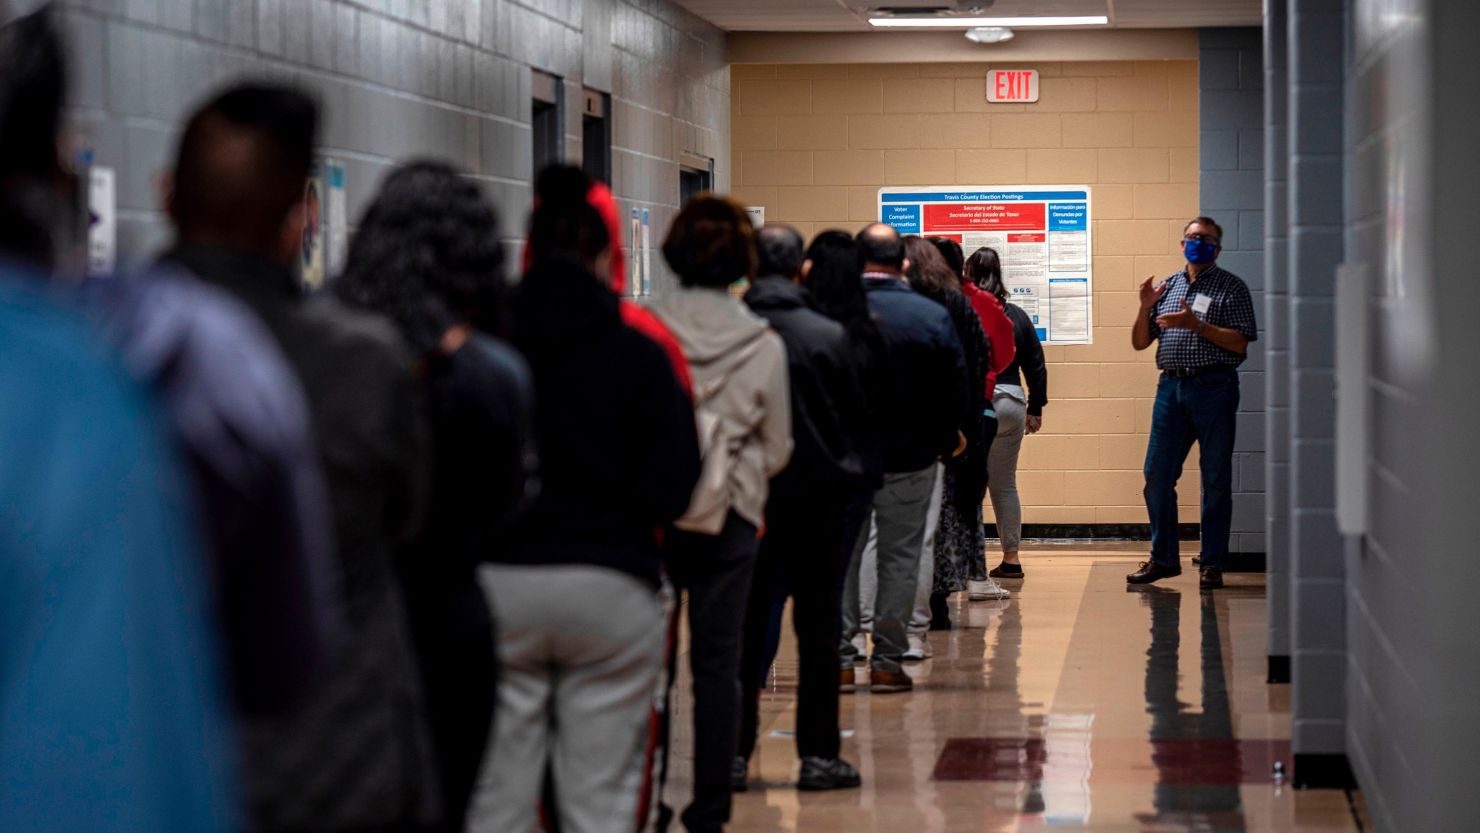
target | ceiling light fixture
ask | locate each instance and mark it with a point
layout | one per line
(973, 22)
(989, 34)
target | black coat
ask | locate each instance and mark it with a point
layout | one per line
(358, 754)
(825, 391)
(969, 470)
(619, 453)
(926, 398)
(1027, 364)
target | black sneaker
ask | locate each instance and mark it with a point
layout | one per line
(827, 774)
(1005, 570)
(739, 774)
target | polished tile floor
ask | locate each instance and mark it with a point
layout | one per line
(1075, 706)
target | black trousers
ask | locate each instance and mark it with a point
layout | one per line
(454, 635)
(715, 571)
(798, 558)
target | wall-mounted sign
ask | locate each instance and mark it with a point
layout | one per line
(1041, 233)
(102, 229)
(325, 226)
(757, 215)
(1012, 86)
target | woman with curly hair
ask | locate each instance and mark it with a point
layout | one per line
(428, 256)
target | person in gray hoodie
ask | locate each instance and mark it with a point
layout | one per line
(743, 408)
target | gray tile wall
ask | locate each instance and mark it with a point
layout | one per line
(1276, 332)
(1315, 37)
(1231, 157)
(448, 79)
(1413, 661)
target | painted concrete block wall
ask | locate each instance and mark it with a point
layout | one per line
(448, 79)
(813, 144)
(1276, 328)
(1316, 42)
(1231, 126)
(1413, 662)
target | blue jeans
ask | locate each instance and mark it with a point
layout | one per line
(1201, 409)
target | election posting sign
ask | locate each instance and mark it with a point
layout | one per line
(1040, 232)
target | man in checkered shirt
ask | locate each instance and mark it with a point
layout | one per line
(1203, 319)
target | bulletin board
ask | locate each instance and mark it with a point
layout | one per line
(1041, 233)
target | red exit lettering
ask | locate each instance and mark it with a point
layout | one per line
(1012, 85)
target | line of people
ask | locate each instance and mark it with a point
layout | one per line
(405, 554)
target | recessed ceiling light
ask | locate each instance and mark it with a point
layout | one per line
(972, 22)
(989, 34)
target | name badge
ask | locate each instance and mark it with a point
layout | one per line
(1201, 303)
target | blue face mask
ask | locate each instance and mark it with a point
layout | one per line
(1199, 251)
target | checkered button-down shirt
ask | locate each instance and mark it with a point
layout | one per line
(1229, 305)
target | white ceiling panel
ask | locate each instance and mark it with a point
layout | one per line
(852, 15)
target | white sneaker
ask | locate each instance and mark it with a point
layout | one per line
(985, 590)
(919, 649)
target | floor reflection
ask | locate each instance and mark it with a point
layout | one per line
(1076, 706)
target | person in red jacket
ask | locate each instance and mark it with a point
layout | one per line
(634, 315)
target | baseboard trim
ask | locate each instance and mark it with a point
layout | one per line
(1104, 532)
(1244, 562)
(1279, 669)
(1323, 771)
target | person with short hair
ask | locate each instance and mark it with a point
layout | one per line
(1203, 320)
(577, 588)
(355, 754)
(921, 417)
(743, 404)
(805, 514)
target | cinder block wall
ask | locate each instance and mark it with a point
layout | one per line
(1316, 38)
(448, 79)
(1413, 662)
(1231, 105)
(814, 143)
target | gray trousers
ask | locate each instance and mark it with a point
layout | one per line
(868, 576)
(1002, 463)
(900, 511)
(580, 650)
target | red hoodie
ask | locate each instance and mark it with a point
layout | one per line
(998, 328)
(633, 314)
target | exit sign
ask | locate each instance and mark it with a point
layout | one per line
(1016, 86)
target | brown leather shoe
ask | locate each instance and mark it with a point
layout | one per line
(1210, 578)
(1151, 571)
(846, 682)
(889, 682)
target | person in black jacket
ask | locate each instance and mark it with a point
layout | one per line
(1019, 411)
(427, 255)
(356, 755)
(921, 418)
(576, 590)
(804, 515)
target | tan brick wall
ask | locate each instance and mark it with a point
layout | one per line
(814, 143)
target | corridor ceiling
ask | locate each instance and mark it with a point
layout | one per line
(853, 15)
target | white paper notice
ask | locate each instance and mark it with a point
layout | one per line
(1068, 308)
(1069, 251)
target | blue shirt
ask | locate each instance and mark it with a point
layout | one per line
(1229, 305)
(110, 709)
